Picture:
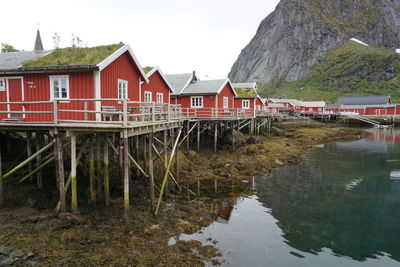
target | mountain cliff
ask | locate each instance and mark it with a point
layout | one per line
(291, 40)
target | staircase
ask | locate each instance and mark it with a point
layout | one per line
(376, 124)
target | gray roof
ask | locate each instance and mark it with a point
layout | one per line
(13, 60)
(179, 81)
(204, 87)
(364, 100)
(244, 85)
(366, 106)
(294, 102)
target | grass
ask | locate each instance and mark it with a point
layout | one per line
(352, 69)
(147, 69)
(246, 92)
(75, 56)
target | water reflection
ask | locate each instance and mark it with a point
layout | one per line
(340, 207)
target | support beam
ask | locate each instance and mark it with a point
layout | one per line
(92, 191)
(126, 178)
(29, 150)
(198, 136)
(188, 135)
(233, 135)
(39, 177)
(151, 171)
(60, 170)
(74, 193)
(1, 182)
(166, 161)
(137, 152)
(215, 136)
(99, 170)
(121, 159)
(106, 173)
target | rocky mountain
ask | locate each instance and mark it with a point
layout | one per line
(291, 40)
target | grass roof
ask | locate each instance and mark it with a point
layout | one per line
(75, 56)
(147, 69)
(245, 92)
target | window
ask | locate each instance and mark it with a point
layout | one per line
(245, 103)
(160, 98)
(122, 89)
(147, 97)
(226, 102)
(59, 86)
(196, 101)
(2, 84)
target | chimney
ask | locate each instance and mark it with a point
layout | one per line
(38, 42)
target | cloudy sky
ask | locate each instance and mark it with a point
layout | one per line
(177, 35)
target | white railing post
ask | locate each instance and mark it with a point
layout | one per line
(55, 112)
(85, 108)
(125, 111)
(168, 112)
(153, 112)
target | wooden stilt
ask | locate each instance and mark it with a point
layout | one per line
(137, 153)
(144, 152)
(39, 176)
(188, 135)
(29, 150)
(99, 170)
(215, 186)
(198, 136)
(1, 182)
(151, 171)
(126, 179)
(60, 171)
(215, 136)
(106, 173)
(74, 192)
(92, 191)
(233, 135)
(121, 160)
(166, 161)
(177, 175)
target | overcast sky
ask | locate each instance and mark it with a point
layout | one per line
(177, 35)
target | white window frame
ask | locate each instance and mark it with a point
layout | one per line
(196, 101)
(58, 77)
(147, 97)
(2, 85)
(225, 102)
(122, 95)
(160, 98)
(246, 104)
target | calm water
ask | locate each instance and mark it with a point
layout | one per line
(340, 207)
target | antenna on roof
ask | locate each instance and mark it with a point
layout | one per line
(38, 41)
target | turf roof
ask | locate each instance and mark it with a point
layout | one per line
(245, 93)
(75, 56)
(147, 69)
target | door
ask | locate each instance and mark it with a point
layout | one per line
(15, 95)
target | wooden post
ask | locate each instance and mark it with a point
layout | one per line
(233, 135)
(177, 163)
(1, 183)
(144, 151)
(137, 153)
(38, 160)
(126, 178)
(74, 193)
(151, 171)
(60, 171)
(166, 161)
(198, 136)
(187, 135)
(106, 173)
(98, 160)
(91, 170)
(29, 150)
(215, 136)
(121, 160)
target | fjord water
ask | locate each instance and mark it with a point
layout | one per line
(339, 207)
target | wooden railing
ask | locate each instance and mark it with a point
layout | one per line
(217, 113)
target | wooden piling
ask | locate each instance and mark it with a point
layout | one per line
(144, 151)
(126, 178)
(29, 150)
(1, 182)
(198, 135)
(188, 135)
(215, 136)
(121, 160)
(74, 192)
(106, 173)
(165, 143)
(233, 135)
(151, 171)
(92, 191)
(60, 171)
(137, 153)
(39, 177)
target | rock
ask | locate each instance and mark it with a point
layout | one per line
(6, 262)
(16, 254)
(33, 264)
(277, 161)
(5, 250)
(227, 137)
(255, 140)
(155, 227)
(290, 41)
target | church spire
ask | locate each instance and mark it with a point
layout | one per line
(38, 42)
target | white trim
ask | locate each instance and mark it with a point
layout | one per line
(51, 77)
(121, 81)
(227, 81)
(157, 69)
(21, 78)
(248, 104)
(151, 96)
(97, 92)
(227, 102)
(140, 89)
(162, 98)
(202, 101)
(102, 65)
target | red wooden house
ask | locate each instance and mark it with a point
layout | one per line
(65, 75)
(288, 104)
(247, 97)
(158, 89)
(202, 99)
(313, 107)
